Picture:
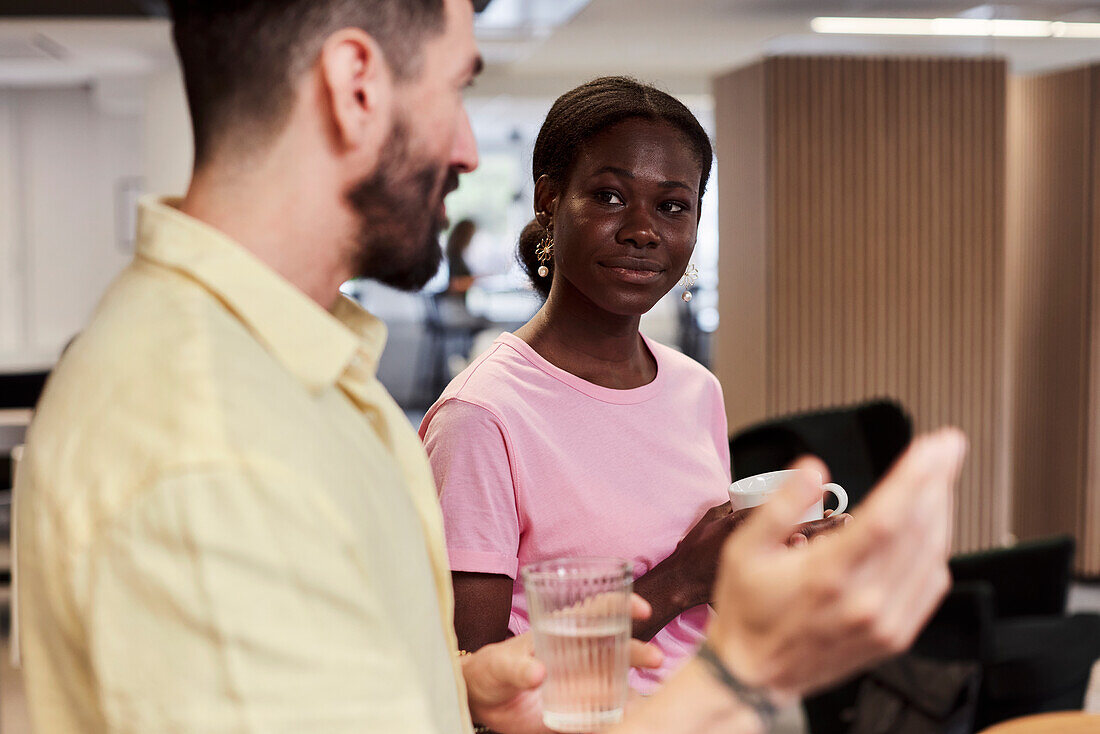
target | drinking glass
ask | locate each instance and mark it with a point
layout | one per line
(580, 619)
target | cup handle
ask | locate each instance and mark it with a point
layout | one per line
(841, 497)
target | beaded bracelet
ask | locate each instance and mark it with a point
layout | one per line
(755, 698)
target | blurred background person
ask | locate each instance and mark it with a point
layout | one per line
(459, 276)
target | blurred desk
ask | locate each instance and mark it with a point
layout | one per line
(453, 323)
(1062, 722)
(410, 364)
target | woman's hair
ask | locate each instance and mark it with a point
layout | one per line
(582, 113)
(459, 238)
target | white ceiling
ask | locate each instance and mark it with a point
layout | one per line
(683, 43)
(680, 44)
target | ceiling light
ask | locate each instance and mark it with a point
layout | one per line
(1020, 28)
(525, 18)
(975, 27)
(1075, 30)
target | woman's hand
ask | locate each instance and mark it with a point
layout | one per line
(685, 578)
(807, 531)
(502, 679)
(696, 556)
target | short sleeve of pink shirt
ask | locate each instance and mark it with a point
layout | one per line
(532, 462)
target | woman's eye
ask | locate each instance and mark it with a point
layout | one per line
(609, 197)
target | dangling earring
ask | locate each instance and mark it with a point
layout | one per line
(688, 281)
(545, 253)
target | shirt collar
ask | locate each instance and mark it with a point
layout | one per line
(316, 346)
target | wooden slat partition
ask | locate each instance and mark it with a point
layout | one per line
(862, 234)
(1088, 555)
(745, 217)
(1053, 278)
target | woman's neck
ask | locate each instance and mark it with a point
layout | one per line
(605, 349)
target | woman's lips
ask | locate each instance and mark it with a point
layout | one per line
(631, 275)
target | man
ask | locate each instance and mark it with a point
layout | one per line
(227, 525)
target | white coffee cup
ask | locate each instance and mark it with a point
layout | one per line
(755, 490)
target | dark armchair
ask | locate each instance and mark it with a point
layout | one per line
(1006, 611)
(857, 442)
(1034, 657)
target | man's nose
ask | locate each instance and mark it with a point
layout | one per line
(464, 152)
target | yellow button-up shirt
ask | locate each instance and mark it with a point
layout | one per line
(225, 522)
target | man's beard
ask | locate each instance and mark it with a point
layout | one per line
(400, 220)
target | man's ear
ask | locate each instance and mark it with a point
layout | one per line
(546, 201)
(359, 85)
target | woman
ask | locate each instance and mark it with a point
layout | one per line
(577, 435)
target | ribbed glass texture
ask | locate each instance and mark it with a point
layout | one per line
(580, 617)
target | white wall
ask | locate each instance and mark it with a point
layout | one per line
(63, 234)
(11, 254)
(167, 142)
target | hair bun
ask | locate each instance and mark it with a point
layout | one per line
(527, 255)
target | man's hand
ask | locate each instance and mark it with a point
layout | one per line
(502, 679)
(797, 620)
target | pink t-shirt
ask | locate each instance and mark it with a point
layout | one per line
(534, 463)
